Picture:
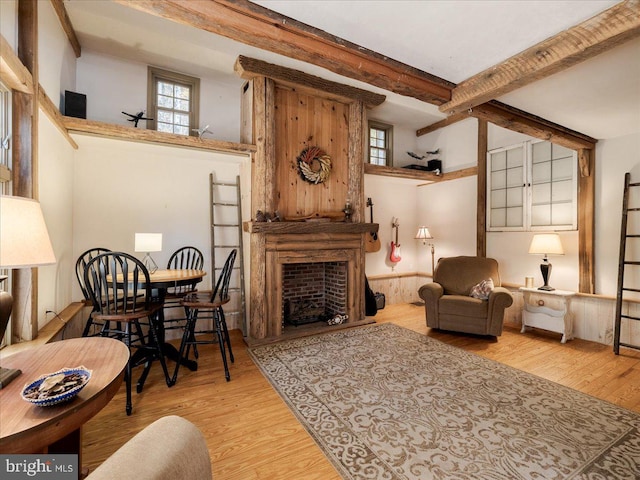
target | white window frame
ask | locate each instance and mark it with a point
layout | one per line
(527, 186)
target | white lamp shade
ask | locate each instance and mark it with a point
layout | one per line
(24, 240)
(148, 242)
(546, 244)
(423, 233)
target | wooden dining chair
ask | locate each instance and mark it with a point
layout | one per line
(81, 264)
(213, 303)
(120, 290)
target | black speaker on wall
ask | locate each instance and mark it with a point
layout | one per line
(75, 104)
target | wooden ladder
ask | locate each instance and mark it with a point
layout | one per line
(226, 234)
(623, 263)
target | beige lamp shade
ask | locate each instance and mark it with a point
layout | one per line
(423, 234)
(546, 244)
(24, 240)
(148, 242)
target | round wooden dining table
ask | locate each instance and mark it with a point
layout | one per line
(27, 428)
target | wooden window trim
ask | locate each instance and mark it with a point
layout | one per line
(155, 73)
(388, 128)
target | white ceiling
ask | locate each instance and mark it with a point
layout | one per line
(452, 39)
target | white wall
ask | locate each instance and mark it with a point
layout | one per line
(58, 72)
(392, 197)
(113, 85)
(8, 22)
(121, 188)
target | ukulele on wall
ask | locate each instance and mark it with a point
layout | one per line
(395, 246)
(372, 241)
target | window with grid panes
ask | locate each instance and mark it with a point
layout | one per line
(380, 144)
(173, 102)
(5, 139)
(532, 186)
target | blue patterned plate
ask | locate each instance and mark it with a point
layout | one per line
(57, 387)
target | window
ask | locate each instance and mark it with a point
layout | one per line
(172, 103)
(532, 186)
(5, 139)
(380, 143)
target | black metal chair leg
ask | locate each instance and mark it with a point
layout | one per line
(184, 344)
(160, 353)
(127, 375)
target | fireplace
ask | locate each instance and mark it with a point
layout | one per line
(313, 292)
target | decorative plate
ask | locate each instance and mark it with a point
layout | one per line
(57, 387)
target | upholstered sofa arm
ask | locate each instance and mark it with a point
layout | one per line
(430, 293)
(499, 299)
(168, 449)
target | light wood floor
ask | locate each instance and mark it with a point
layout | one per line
(252, 434)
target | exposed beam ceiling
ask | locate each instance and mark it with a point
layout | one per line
(257, 26)
(600, 33)
(65, 21)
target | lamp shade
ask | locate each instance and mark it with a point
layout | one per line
(148, 242)
(546, 244)
(423, 233)
(24, 240)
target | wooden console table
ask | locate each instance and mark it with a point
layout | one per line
(538, 314)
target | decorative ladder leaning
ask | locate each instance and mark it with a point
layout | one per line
(623, 262)
(226, 234)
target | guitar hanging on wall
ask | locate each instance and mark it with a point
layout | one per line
(372, 241)
(395, 246)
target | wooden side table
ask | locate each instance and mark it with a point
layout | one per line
(537, 314)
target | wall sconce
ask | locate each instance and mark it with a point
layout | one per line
(546, 244)
(148, 242)
(24, 243)
(424, 235)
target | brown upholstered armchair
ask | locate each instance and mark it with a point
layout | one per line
(448, 304)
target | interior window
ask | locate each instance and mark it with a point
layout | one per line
(380, 143)
(173, 100)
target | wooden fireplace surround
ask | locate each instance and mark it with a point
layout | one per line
(283, 112)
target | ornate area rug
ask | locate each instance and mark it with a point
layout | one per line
(384, 402)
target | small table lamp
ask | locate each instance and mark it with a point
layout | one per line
(546, 244)
(148, 242)
(24, 243)
(424, 235)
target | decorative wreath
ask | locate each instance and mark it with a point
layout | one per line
(314, 165)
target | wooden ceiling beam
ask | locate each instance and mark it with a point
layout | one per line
(249, 68)
(65, 22)
(517, 120)
(600, 33)
(12, 72)
(450, 120)
(246, 22)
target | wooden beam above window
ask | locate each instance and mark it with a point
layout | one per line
(12, 72)
(260, 27)
(528, 124)
(600, 33)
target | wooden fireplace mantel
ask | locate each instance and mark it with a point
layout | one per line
(309, 227)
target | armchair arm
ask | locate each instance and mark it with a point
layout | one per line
(499, 299)
(431, 293)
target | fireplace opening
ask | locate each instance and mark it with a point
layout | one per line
(313, 292)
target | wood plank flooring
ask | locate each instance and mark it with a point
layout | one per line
(252, 434)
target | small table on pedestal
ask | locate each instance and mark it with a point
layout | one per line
(538, 314)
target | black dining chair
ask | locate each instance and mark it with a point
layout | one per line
(120, 290)
(213, 303)
(183, 258)
(81, 264)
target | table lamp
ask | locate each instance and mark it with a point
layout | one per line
(148, 242)
(546, 244)
(24, 242)
(424, 235)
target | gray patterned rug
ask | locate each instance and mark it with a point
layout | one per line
(384, 402)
